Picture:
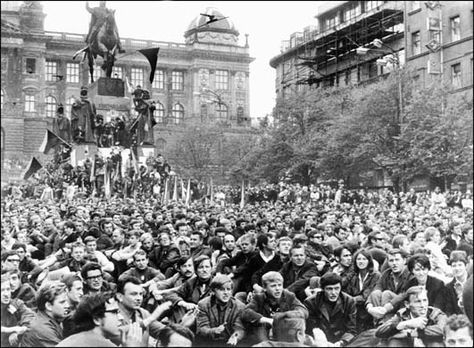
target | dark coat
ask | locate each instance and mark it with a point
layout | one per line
(451, 299)
(432, 332)
(163, 258)
(364, 319)
(238, 260)
(260, 306)
(386, 282)
(296, 279)
(208, 318)
(15, 314)
(338, 323)
(190, 291)
(247, 271)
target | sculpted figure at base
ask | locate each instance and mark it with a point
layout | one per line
(83, 115)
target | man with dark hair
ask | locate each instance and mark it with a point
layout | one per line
(75, 292)
(416, 324)
(53, 306)
(392, 282)
(94, 279)
(333, 311)
(458, 331)
(142, 271)
(197, 247)
(130, 298)
(98, 324)
(175, 335)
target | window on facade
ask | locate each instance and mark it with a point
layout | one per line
(352, 11)
(50, 106)
(137, 77)
(72, 72)
(30, 65)
(456, 75)
(2, 98)
(177, 80)
(117, 72)
(332, 21)
(159, 80)
(30, 103)
(69, 103)
(455, 24)
(4, 65)
(370, 5)
(416, 43)
(222, 79)
(178, 114)
(159, 113)
(51, 70)
(221, 112)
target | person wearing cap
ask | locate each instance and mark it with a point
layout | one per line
(332, 311)
(418, 324)
(83, 114)
(454, 289)
(218, 320)
(258, 314)
(61, 124)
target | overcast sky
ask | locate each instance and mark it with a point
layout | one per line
(267, 23)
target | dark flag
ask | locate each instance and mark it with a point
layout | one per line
(32, 168)
(152, 55)
(50, 141)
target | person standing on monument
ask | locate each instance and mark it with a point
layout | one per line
(83, 115)
(143, 125)
(61, 124)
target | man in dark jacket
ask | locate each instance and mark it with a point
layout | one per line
(258, 314)
(332, 311)
(415, 325)
(16, 316)
(297, 272)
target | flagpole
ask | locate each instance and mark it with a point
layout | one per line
(188, 193)
(242, 196)
(212, 192)
(175, 189)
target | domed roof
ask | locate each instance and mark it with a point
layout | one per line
(199, 23)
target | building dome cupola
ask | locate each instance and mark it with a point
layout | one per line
(211, 26)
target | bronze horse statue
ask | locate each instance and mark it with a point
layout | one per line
(103, 42)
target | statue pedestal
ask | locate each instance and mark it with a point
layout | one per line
(80, 153)
(108, 95)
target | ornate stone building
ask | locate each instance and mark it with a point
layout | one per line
(203, 80)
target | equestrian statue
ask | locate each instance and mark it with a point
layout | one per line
(102, 40)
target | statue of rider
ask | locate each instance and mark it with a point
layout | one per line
(98, 18)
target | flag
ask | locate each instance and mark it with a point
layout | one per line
(175, 191)
(188, 192)
(50, 141)
(33, 167)
(92, 178)
(135, 164)
(165, 194)
(107, 181)
(212, 192)
(183, 190)
(152, 55)
(242, 196)
(129, 86)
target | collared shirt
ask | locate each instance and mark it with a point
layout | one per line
(45, 331)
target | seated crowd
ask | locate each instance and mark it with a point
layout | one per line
(306, 272)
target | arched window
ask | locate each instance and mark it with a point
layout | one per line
(178, 113)
(160, 144)
(51, 103)
(221, 112)
(159, 113)
(69, 103)
(30, 103)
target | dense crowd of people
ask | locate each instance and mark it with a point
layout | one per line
(289, 265)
